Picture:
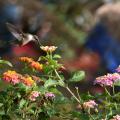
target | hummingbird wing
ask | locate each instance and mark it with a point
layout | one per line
(17, 33)
(23, 38)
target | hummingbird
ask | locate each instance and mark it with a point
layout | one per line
(24, 38)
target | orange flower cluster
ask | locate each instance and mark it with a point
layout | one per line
(15, 78)
(28, 81)
(26, 59)
(32, 63)
(36, 65)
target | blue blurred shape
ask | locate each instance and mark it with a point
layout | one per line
(101, 42)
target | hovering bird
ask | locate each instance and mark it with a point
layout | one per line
(25, 38)
(22, 38)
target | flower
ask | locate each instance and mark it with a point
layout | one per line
(28, 81)
(118, 69)
(117, 117)
(34, 95)
(36, 65)
(32, 63)
(48, 48)
(49, 95)
(11, 76)
(89, 104)
(107, 80)
(26, 59)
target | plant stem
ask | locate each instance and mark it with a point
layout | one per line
(90, 114)
(78, 93)
(113, 89)
(91, 117)
(58, 75)
(67, 88)
(107, 91)
(72, 94)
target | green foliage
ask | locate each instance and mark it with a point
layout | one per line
(6, 62)
(77, 76)
(50, 83)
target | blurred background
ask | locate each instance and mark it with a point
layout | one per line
(85, 31)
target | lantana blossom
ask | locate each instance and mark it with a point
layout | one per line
(26, 59)
(32, 63)
(48, 48)
(89, 104)
(118, 69)
(117, 117)
(107, 80)
(34, 95)
(49, 95)
(28, 81)
(36, 65)
(11, 77)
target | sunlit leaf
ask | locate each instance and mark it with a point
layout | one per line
(6, 62)
(56, 56)
(78, 76)
(50, 83)
(22, 103)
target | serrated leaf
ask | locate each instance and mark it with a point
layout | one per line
(78, 76)
(6, 62)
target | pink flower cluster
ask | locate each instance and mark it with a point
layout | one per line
(11, 77)
(107, 80)
(117, 117)
(34, 95)
(118, 69)
(49, 96)
(89, 104)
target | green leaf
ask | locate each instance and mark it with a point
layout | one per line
(50, 83)
(47, 69)
(61, 83)
(42, 58)
(22, 103)
(1, 104)
(6, 62)
(78, 76)
(2, 112)
(56, 56)
(55, 90)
